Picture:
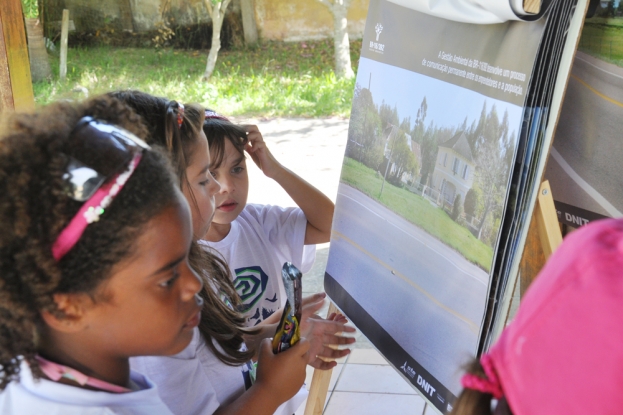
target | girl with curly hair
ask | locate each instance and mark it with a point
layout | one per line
(94, 244)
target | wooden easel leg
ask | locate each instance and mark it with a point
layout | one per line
(319, 385)
(543, 237)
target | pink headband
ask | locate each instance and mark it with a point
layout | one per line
(91, 210)
(490, 384)
(212, 114)
(180, 115)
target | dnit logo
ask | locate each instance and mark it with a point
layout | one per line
(376, 46)
(378, 29)
(408, 370)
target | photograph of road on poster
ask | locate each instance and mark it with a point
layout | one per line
(584, 168)
(418, 211)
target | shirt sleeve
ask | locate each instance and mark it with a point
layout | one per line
(285, 228)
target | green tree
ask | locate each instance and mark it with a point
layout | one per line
(457, 208)
(418, 126)
(402, 157)
(429, 150)
(471, 202)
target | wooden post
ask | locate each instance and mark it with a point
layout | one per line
(15, 82)
(532, 6)
(319, 384)
(543, 238)
(64, 34)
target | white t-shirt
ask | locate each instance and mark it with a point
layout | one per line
(44, 397)
(196, 382)
(193, 381)
(261, 239)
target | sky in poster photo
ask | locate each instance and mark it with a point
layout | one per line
(448, 104)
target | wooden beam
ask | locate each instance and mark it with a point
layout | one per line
(543, 238)
(319, 384)
(15, 81)
(532, 6)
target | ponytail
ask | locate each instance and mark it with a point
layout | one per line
(474, 402)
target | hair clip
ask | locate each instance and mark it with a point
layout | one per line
(180, 114)
(490, 384)
(213, 114)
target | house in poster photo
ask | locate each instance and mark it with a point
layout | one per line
(454, 170)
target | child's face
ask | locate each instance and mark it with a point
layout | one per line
(148, 305)
(202, 186)
(232, 175)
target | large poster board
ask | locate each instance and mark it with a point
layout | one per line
(435, 131)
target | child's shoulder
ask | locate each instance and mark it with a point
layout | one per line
(44, 396)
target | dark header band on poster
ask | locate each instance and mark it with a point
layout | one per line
(455, 56)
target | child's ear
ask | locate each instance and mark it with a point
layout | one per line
(71, 315)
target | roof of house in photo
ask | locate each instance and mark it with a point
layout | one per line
(459, 144)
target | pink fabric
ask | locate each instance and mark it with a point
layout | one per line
(563, 353)
(91, 210)
(55, 372)
(490, 384)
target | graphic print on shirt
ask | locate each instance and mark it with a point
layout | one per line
(251, 284)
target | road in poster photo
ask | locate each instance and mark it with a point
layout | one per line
(584, 169)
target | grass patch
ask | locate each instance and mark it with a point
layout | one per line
(273, 79)
(603, 39)
(418, 211)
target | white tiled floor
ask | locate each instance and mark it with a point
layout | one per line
(365, 384)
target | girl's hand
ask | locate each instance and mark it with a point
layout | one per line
(257, 149)
(324, 335)
(282, 374)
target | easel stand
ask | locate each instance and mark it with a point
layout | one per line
(543, 238)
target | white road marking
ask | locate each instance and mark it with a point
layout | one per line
(607, 206)
(457, 266)
(597, 67)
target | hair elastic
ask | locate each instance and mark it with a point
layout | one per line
(91, 210)
(213, 114)
(490, 384)
(180, 114)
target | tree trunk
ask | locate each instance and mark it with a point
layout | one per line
(247, 8)
(39, 62)
(217, 15)
(126, 16)
(343, 68)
